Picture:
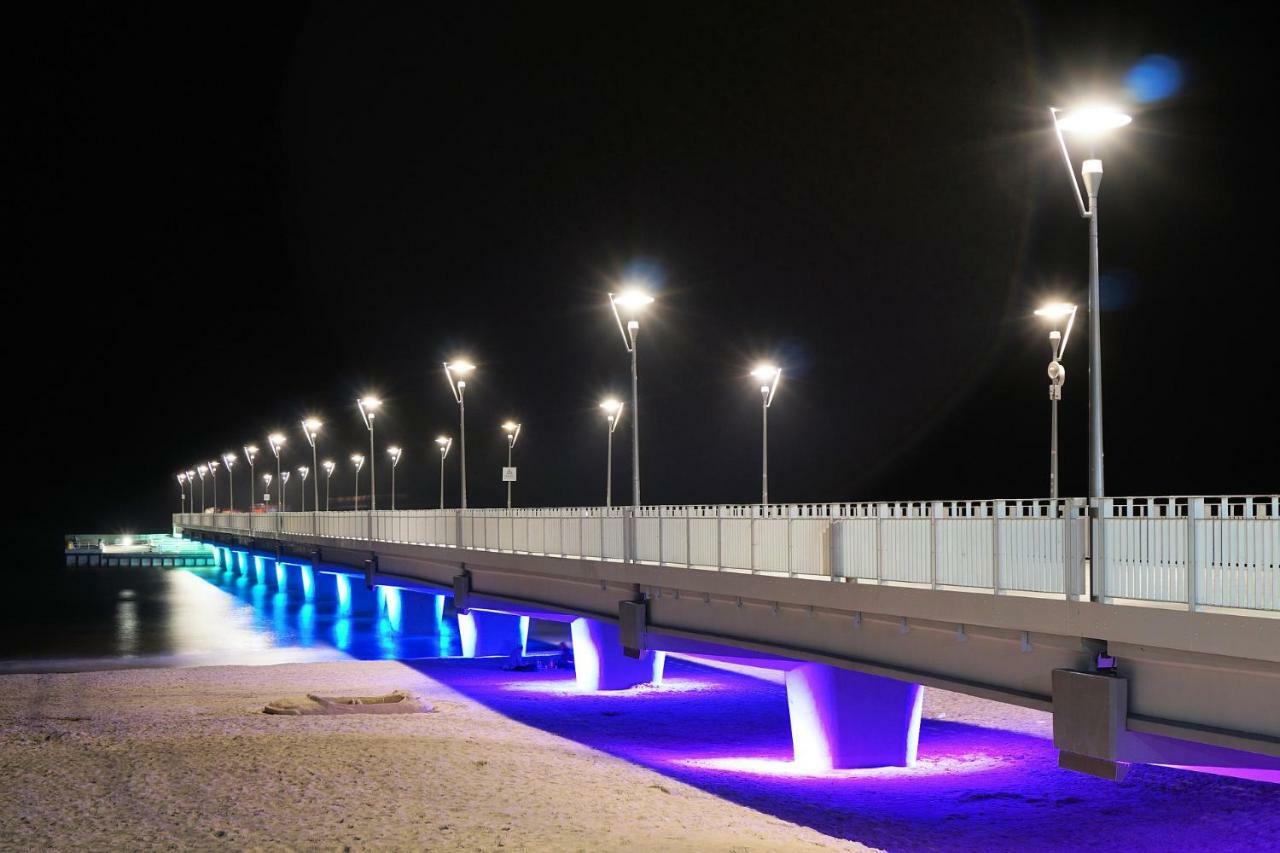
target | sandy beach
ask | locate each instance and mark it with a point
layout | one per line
(185, 758)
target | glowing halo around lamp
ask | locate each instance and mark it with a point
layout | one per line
(1092, 119)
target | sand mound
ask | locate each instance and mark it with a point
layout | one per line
(395, 702)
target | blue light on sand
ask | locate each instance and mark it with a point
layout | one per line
(1154, 78)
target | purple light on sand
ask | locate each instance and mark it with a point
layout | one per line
(783, 768)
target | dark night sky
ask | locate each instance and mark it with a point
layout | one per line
(232, 218)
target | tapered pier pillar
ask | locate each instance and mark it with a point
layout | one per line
(844, 719)
(410, 612)
(600, 664)
(240, 565)
(259, 569)
(485, 633)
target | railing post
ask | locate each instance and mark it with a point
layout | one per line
(790, 567)
(997, 512)
(688, 538)
(719, 538)
(935, 512)
(881, 511)
(629, 535)
(1195, 512)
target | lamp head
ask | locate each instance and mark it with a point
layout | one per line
(1091, 120)
(303, 471)
(459, 367)
(329, 465)
(369, 404)
(765, 372)
(266, 478)
(202, 470)
(394, 453)
(510, 426)
(633, 298)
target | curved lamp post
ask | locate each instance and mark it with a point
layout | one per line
(213, 476)
(613, 411)
(444, 442)
(250, 454)
(191, 481)
(277, 441)
(456, 372)
(512, 429)
(768, 376)
(266, 480)
(202, 470)
(632, 300)
(311, 428)
(357, 459)
(1090, 122)
(284, 491)
(368, 411)
(394, 453)
(182, 492)
(229, 460)
(1056, 313)
(329, 467)
(303, 472)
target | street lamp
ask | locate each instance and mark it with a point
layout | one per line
(250, 454)
(202, 470)
(229, 459)
(303, 471)
(182, 492)
(1090, 122)
(329, 467)
(632, 300)
(613, 411)
(368, 410)
(357, 459)
(394, 453)
(1056, 313)
(512, 429)
(277, 441)
(213, 475)
(284, 491)
(310, 427)
(769, 376)
(266, 496)
(458, 385)
(191, 481)
(444, 442)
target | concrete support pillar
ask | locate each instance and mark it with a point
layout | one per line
(354, 598)
(240, 565)
(259, 569)
(485, 633)
(411, 612)
(600, 664)
(324, 585)
(843, 719)
(293, 581)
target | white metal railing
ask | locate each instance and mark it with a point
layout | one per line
(1194, 551)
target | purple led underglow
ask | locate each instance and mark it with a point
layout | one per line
(566, 689)
(487, 633)
(974, 786)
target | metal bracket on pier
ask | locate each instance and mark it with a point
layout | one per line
(633, 618)
(462, 592)
(370, 570)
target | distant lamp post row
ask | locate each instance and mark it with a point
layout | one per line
(329, 467)
(445, 443)
(456, 372)
(368, 411)
(394, 453)
(1055, 313)
(613, 412)
(357, 459)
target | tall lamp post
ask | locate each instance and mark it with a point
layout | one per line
(456, 372)
(213, 475)
(613, 411)
(266, 496)
(250, 454)
(329, 467)
(444, 442)
(512, 429)
(182, 492)
(303, 472)
(1056, 313)
(1090, 122)
(284, 491)
(310, 428)
(768, 376)
(357, 459)
(191, 481)
(632, 300)
(277, 441)
(229, 460)
(394, 453)
(202, 470)
(368, 411)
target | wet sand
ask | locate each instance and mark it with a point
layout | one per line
(142, 759)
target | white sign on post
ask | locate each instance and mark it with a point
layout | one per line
(508, 474)
(266, 498)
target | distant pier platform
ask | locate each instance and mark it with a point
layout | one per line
(160, 550)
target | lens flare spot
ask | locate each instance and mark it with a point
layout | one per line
(1154, 78)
